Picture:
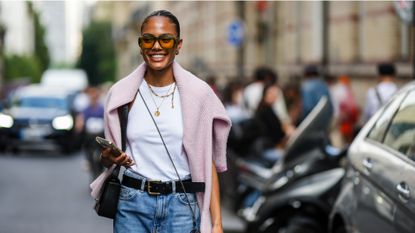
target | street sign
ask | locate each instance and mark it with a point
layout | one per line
(236, 33)
(404, 10)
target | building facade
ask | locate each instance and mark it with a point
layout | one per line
(342, 37)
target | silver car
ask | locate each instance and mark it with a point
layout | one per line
(378, 193)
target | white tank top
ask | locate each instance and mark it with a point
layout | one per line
(144, 143)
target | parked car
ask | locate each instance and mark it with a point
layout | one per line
(378, 192)
(37, 115)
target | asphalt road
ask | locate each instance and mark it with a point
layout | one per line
(44, 192)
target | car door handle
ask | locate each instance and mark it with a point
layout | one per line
(368, 164)
(403, 190)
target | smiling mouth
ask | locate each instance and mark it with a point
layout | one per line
(157, 56)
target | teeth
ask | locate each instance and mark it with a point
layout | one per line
(157, 56)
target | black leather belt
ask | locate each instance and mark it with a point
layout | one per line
(164, 188)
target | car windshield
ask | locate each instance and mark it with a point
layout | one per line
(43, 102)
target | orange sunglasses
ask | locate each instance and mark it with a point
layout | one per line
(166, 41)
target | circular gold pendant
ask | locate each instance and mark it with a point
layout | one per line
(157, 113)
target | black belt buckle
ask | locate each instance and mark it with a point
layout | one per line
(149, 187)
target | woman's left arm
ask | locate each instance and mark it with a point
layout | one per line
(215, 203)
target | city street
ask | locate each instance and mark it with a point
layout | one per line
(42, 192)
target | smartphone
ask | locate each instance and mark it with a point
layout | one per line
(104, 143)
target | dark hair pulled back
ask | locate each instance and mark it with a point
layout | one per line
(164, 13)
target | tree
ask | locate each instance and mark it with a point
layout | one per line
(98, 53)
(32, 67)
(41, 50)
(16, 66)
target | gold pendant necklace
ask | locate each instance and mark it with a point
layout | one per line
(163, 97)
(157, 113)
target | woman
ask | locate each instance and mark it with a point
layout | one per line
(273, 132)
(195, 128)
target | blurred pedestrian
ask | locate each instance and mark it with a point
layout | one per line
(232, 98)
(194, 125)
(382, 92)
(274, 136)
(292, 95)
(94, 109)
(253, 93)
(346, 110)
(81, 101)
(312, 89)
(90, 123)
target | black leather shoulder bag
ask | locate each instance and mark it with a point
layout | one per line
(107, 203)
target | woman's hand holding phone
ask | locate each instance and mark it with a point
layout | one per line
(110, 154)
(122, 159)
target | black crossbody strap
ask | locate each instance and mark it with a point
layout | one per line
(123, 116)
(378, 96)
(174, 166)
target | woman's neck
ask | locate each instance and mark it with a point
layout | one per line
(159, 78)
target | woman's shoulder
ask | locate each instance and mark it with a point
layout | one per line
(198, 87)
(124, 90)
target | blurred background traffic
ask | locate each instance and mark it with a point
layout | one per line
(306, 73)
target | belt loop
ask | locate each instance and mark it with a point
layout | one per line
(173, 187)
(143, 183)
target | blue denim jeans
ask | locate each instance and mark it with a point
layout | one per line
(140, 212)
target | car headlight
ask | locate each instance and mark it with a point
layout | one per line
(6, 121)
(63, 122)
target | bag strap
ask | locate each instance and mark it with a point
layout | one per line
(174, 166)
(378, 96)
(123, 116)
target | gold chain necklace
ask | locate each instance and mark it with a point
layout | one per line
(163, 97)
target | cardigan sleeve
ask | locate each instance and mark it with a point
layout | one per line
(221, 127)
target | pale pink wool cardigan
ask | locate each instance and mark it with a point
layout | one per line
(205, 122)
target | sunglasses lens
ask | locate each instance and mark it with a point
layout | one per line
(147, 42)
(166, 43)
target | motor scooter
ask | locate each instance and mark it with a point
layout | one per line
(298, 206)
(307, 153)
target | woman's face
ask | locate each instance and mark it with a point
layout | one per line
(158, 58)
